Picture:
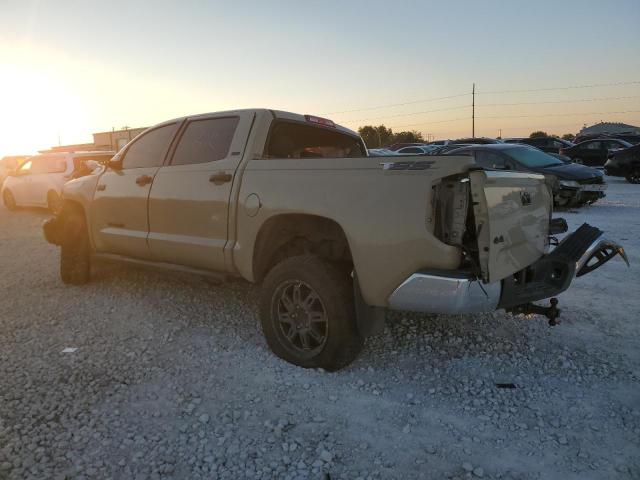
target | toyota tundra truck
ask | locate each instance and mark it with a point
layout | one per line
(334, 237)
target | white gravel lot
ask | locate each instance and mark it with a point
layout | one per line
(172, 379)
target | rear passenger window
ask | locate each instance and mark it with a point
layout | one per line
(205, 141)
(489, 160)
(299, 140)
(150, 149)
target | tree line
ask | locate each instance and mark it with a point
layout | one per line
(380, 136)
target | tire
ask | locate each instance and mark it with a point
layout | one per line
(9, 200)
(53, 202)
(75, 267)
(306, 297)
(633, 177)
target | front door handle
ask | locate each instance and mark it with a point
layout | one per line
(220, 177)
(144, 180)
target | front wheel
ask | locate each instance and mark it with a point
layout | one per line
(74, 250)
(307, 314)
(9, 200)
(634, 176)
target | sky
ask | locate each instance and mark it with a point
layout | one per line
(69, 68)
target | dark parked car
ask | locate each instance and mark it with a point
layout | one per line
(632, 138)
(625, 163)
(475, 141)
(546, 144)
(594, 153)
(572, 184)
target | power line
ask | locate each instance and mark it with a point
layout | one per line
(556, 102)
(563, 114)
(382, 117)
(515, 116)
(408, 114)
(398, 104)
(430, 123)
(616, 84)
(495, 92)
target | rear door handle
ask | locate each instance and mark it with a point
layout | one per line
(101, 187)
(220, 177)
(144, 180)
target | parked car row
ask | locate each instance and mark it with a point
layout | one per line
(571, 184)
(37, 181)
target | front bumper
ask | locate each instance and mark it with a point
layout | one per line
(453, 293)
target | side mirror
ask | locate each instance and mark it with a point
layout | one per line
(115, 163)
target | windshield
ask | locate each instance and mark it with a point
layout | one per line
(532, 157)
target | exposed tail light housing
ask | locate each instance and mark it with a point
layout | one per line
(320, 121)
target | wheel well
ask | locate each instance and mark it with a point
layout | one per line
(69, 206)
(289, 235)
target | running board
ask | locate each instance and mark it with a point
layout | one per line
(115, 258)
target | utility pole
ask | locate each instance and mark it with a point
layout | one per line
(473, 111)
(500, 133)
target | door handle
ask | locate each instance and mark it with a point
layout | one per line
(144, 180)
(101, 187)
(220, 177)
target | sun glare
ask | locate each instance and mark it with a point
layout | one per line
(38, 110)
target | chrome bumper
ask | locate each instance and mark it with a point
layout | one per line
(600, 251)
(433, 293)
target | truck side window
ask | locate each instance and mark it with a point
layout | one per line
(149, 149)
(205, 141)
(299, 140)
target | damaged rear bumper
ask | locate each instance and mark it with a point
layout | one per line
(578, 254)
(458, 292)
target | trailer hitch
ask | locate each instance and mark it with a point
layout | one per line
(552, 312)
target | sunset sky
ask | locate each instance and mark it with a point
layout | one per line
(70, 68)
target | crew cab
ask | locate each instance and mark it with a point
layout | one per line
(334, 236)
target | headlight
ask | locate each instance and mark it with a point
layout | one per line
(568, 184)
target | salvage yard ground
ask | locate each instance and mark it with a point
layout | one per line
(172, 379)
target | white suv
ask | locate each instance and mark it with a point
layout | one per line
(38, 182)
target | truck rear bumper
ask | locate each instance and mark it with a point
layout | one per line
(451, 293)
(435, 292)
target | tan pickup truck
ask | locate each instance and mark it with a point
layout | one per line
(335, 237)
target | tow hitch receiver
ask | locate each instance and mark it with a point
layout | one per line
(552, 312)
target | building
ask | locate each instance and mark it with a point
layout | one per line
(610, 128)
(115, 139)
(102, 141)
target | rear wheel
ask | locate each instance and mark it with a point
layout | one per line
(9, 200)
(307, 313)
(74, 250)
(54, 202)
(634, 176)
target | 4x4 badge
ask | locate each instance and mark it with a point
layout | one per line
(525, 197)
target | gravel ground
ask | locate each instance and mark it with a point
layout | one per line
(172, 379)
